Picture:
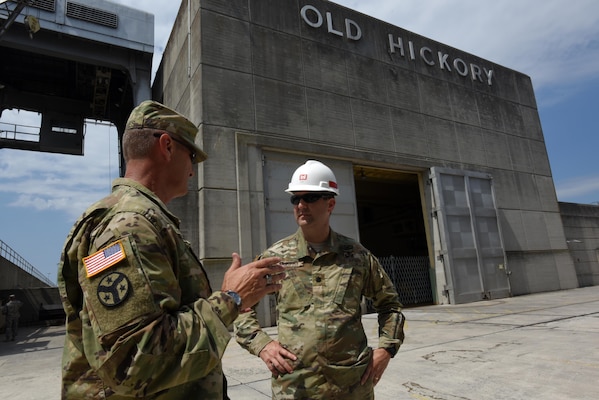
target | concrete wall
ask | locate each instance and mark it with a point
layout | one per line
(581, 225)
(13, 277)
(293, 76)
(28, 289)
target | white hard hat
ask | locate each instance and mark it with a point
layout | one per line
(313, 176)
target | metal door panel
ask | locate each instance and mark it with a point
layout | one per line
(472, 248)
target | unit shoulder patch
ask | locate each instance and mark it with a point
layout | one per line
(113, 289)
(104, 258)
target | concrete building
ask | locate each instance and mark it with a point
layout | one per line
(439, 153)
(581, 225)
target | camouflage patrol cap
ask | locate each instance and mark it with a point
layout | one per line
(153, 115)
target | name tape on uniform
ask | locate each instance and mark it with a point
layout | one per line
(291, 264)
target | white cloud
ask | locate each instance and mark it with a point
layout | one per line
(57, 182)
(164, 17)
(554, 42)
(576, 188)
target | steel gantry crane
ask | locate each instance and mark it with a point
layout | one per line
(10, 10)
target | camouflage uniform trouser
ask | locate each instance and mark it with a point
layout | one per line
(12, 326)
(319, 389)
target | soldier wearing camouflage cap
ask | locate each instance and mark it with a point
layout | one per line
(153, 115)
(142, 318)
(322, 350)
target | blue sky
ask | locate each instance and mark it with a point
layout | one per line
(555, 42)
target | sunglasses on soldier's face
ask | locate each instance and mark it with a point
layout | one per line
(192, 154)
(309, 197)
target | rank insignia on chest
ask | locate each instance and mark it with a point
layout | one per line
(348, 251)
(104, 258)
(318, 279)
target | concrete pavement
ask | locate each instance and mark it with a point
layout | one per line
(539, 346)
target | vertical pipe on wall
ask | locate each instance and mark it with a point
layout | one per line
(189, 39)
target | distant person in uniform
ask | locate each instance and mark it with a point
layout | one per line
(142, 318)
(12, 314)
(322, 350)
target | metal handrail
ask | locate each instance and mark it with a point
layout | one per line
(12, 131)
(9, 254)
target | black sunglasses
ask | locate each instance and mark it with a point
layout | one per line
(309, 197)
(192, 153)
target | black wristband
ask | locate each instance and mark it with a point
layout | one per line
(391, 350)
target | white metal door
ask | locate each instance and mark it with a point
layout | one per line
(471, 244)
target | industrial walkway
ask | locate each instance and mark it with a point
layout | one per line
(541, 346)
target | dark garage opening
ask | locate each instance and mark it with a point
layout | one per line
(391, 226)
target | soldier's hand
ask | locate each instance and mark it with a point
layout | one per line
(254, 280)
(275, 357)
(376, 367)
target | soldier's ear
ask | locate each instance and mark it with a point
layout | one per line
(331, 204)
(165, 147)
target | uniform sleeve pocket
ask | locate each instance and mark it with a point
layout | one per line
(119, 294)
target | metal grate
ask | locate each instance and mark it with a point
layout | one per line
(411, 278)
(46, 5)
(93, 15)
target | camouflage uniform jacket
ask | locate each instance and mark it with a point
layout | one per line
(141, 319)
(12, 310)
(319, 318)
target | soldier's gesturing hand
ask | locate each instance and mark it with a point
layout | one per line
(254, 280)
(275, 357)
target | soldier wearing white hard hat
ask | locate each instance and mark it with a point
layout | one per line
(321, 351)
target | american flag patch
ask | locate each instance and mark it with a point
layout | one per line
(104, 258)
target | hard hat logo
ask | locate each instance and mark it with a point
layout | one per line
(313, 176)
